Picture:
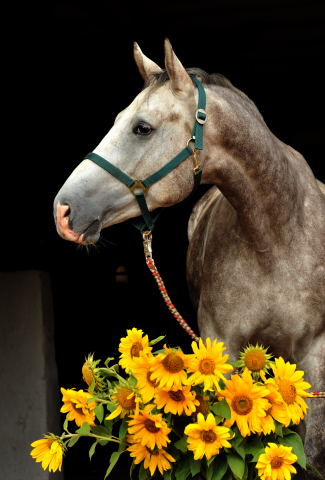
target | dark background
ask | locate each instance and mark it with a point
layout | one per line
(73, 71)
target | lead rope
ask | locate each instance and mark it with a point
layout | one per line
(147, 247)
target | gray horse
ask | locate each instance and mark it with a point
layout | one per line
(256, 257)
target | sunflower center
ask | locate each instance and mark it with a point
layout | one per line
(288, 391)
(242, 404)
(207, 366)
(276, 462)
(255, 360)
(208, 436)
(177, 396)
(150, 426)
(136, 348)
(78, 410)
(203, 407)
(173, 363)
(152, 382)
(124, 401)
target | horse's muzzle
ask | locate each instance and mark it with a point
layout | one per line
(62, 221)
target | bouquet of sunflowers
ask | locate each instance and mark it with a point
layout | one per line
(182, 416)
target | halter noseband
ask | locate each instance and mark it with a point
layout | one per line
(140, 187)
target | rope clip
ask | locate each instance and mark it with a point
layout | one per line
(147, 243)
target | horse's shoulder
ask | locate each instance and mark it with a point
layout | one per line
(201, 207)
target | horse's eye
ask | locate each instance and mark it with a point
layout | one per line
(142, 128)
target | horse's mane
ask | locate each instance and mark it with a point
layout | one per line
(157, 79)
(217, 79)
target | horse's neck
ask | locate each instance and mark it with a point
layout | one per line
(253, 170)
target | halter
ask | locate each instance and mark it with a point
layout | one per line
(140, 187)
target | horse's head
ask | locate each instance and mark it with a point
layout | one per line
(145, 136)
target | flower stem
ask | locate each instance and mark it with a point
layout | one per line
(92, 435)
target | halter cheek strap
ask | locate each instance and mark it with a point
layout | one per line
(140, 187)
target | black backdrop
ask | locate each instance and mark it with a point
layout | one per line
(73, 72)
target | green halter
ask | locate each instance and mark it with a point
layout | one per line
(140, 187)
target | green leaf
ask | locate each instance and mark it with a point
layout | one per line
(253, 445)
(240, 449)
(123, 430)
(236, 464)
(222, 409)
(238, 445)
(210, 470)
(92, 449)
(183, 469)
(195, 466)
(168, 475)
(73, 441)
(111, 406)
(99, 412)
(102, 431)
(132, 381)
(294, 440)
(113, 460)
(108, 360)
(278, 429)
(220, 467)
(143, 473)
(84, 429)
(181, 444)
(156, 340)
(65, 424)
(131, 469)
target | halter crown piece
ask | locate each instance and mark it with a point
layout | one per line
(139, 188)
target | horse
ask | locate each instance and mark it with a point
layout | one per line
(256, 255)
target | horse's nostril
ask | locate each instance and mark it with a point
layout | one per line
(67, 212)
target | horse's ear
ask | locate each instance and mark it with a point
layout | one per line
(146, 66)
(179, 78)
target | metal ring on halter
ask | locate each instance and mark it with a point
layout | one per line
(198, 119)
(192, 139)
(138, 185)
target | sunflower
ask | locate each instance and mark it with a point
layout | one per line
(168, 368)
(91, 375)
(149, 429)
(176, 400)
(141, 371)
(291, 385)
(276, 463)
(256, 359)
(276, 409)
(247, 402)
(126, 402)
(208, 364)
(132, 346)
(77, 406)
(152, 458)
(206, 438)
(49, 450)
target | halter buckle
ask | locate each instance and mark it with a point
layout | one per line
(138, 185)
(201, 116)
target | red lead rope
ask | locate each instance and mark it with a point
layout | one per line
(147, 240)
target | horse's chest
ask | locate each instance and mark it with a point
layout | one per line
(241, 293)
